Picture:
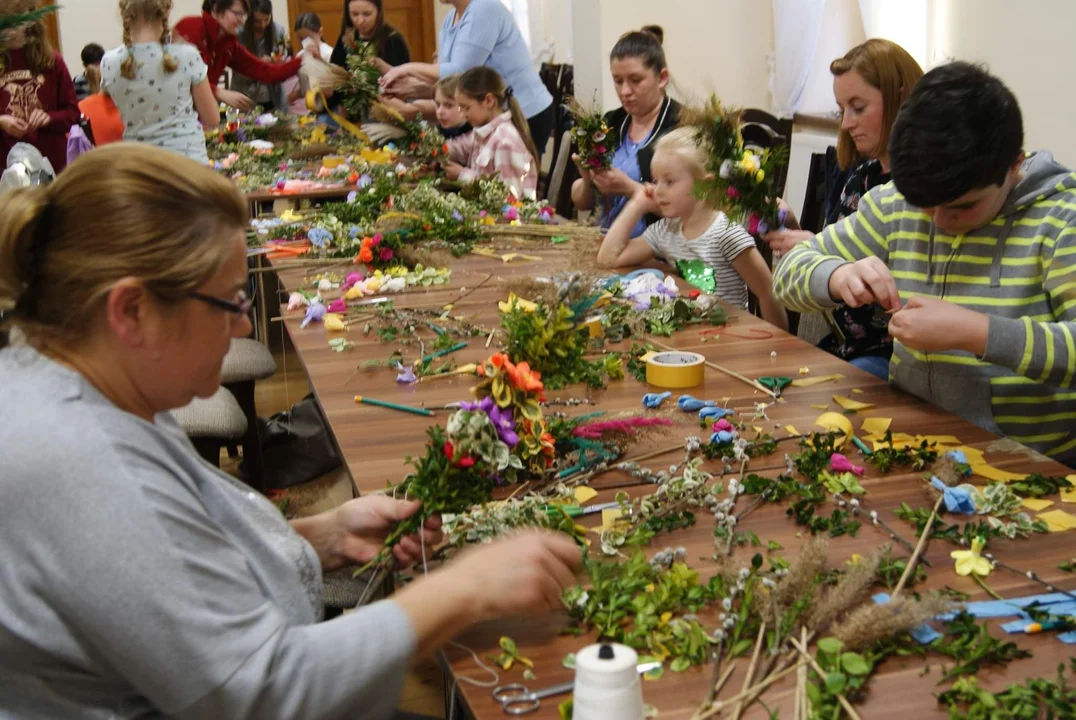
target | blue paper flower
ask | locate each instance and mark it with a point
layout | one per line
(722, 436)
(714, 413)
(315, 312)
(691, 404)
(406, 375)
(319, 237)
(652, 401)
(957, 500)
(457, 216)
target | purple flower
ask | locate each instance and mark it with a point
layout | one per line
(314, 313)
(500, 417)
(457, 216)
(365, 181)
(406, 375)
(241, 134)
(351, 197)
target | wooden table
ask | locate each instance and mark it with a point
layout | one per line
(373, 443)
(295, 200)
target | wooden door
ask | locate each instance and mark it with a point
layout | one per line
(413, 18)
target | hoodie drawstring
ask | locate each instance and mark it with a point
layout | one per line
(999, 252)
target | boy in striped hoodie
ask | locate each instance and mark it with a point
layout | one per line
(972, 248)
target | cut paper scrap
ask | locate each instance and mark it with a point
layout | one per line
(507, 257)
(876, 425)
(791, 430)
(1058, 518)
(997, 474)
(810, 382)
(974, 457)
(940, 439)
(838, 423)
(610, 516)
(1036, 504)
(1068, 495)
(585, 494)
(820, 407)
(514, 301)
(857, 391)
(850, 404)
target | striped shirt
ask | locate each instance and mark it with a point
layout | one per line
(497, 150)
(717, 247)
(1019, 270)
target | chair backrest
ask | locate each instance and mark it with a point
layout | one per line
(764, 130)
(560, 165)
(813, 215)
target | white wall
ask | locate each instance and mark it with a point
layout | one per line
(1029, 46)
(86, 21)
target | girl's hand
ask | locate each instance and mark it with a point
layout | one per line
(393, 75)
(38, 119)
(13, 126)
(784, 240)
(452, 170)
(645, 200)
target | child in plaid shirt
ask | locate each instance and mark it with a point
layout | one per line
(501, 143)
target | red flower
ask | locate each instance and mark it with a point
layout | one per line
(465, 462)
(449, 451)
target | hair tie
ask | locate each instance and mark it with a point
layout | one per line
(508, 93)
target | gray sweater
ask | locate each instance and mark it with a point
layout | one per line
(138, 581)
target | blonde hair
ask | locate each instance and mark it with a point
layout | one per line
(39, 53)
(93, 79)
(145, 11)
(448, 84)
(887, 67)
(480, 81)
(125, 210)
(683, 143)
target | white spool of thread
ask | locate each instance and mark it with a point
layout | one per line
(607, 684)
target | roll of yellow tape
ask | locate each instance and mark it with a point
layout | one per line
(674, 370)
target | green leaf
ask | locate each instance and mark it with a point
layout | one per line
(655, 674)
(568, 661)
(830, 645)
(680, 664)
(756, 561)
(565, 709)
(835, 682)
(854, 664)
(774, 545)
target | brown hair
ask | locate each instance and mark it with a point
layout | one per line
(93, 79)
(645, 44)
(40, 57)
(145, 11)
(448, 85)
(382, 30)
(887, 67)
(480, 81)
(124, 210)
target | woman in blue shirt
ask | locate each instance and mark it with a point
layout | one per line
(481, 32)
(641, 76)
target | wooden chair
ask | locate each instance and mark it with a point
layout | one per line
(559, 167)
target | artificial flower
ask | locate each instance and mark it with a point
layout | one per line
(969, 562)
(652, 401)
(525, 379)
(840, 463)
(337, 306)
(314, 313)
(406, 375)
(723, 425)
(333, 322)
(366, 255)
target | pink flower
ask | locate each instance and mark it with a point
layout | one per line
(386, 254)
(723, 425)
(733, 192)
(376, 240)
(511, 214)
(351, 280)
(752, 224)
(840, 463)
(338, 305)
(601, 149)
(594, 162)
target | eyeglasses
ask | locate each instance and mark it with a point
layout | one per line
(242, 307)
(240, 16)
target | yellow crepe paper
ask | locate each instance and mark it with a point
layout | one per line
(1036, 504)
(997, 474)
(838, 422)
(900, 442)
(804, 370)
(857, 391)
(610, 516)
(810, 382)
(1068, 495)
(1058, 518)
(791, 430)
(850, 404)
(820, 407)
(941, 439)
(876, 425)
(584, 494)
(333, 323)
(514, 301)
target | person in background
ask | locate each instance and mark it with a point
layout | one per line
(165, 585)
(481, 33)
(266, 40)
(972, 249)
(870, 82)
(160, 87)
(215, 34)
(447, 108)
(38, 104)
(91, 59)
(307, 27)
(364, 21)
(646, 112)
(690, 229)
(500, 144)
(106, 123)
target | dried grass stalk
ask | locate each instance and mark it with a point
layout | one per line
(849, 591)
(802, 573)
(873, 622)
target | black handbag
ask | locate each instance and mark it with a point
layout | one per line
(297, 446)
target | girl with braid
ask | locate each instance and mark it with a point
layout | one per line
(160, 87)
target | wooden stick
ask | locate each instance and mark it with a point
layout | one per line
(822, 674)
(714, 366)
(720, 683)
(801, 712)
(914, 559)
(654, 454)
(751, 669)
(722, 704)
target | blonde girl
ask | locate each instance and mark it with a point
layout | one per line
(160, 87)
(690, 229)
(501, 143)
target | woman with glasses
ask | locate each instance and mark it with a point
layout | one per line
(216, 35)
(140, 581)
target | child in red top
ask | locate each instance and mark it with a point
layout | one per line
(38, 104)
(216, 35)
(501, 143)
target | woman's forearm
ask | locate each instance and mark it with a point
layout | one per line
(322, 531)
(440, 608)
(583, 194)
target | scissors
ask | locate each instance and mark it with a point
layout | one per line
(517, 699)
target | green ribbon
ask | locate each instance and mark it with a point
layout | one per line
(775, 383)
(698, 274)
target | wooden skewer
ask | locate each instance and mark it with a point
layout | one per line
(914, 559)
(802, 711)
(822, 674)
(722, 704)
(750, 669)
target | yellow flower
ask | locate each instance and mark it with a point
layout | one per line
(855, 560)
(760, 176)
(969, 562)
(749, 163)
(514, 301)
(333, 322)
(373, 284)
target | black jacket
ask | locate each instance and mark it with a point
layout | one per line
(394, 53)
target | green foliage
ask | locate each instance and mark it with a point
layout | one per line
(1036, 485)
(845, 674)
(918, 458)
(891, 570)
(555, 345)
(364, 83)
(1036, 698)
(990, 528)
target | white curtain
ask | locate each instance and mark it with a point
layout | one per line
(904, 22)
(521, 13)
(797, 25)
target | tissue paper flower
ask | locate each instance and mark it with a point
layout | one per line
(652, 401)
(840, 463)
(314, 313)
(688, 403)
(723, 425)
(296, 301)
(970, 562)
(337, 306)
(351, 280)
(957, 499)
(333, 322)
(715, 413)
(406, 375)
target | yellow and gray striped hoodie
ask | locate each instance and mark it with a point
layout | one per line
(1020, 270)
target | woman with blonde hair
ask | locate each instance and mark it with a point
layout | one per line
(139, 580)
(160, 87)
(38, 104)
(870, 83)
